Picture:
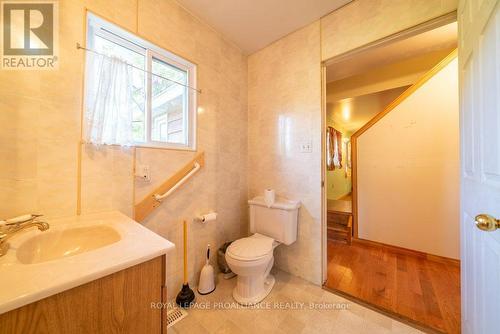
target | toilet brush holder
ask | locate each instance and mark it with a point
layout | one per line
(206, 284)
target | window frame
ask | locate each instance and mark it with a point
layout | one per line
(97, 26)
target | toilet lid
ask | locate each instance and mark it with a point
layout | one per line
(251, 248)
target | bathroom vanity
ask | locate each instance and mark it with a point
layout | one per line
(89, 274)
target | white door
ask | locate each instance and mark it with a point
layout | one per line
(479, 56)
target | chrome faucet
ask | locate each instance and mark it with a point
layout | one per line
(10, 227)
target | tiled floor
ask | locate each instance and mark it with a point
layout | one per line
(281, 312)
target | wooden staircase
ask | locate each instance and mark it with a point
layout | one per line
(339, 221)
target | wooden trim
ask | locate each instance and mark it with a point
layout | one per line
(349, 234)
(354, 138)
(149, 203)
(354, 185)
(164, 295)
(134, 169)
(79, 180)
(349, 221)
(324, 195)
(406, 251)
(82, 112)
(426, 77)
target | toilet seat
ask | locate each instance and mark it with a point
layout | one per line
(253, 248)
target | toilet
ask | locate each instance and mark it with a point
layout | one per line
(251, 258)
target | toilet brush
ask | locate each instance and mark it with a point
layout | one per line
(186, 296)
(207, 277)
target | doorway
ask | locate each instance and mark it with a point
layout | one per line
(391, 165)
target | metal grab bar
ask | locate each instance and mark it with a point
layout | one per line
(159, 197)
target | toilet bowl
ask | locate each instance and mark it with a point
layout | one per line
(252, 259)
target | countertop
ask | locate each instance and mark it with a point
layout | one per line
(22, 284)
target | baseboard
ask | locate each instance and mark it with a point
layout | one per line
(406, 251)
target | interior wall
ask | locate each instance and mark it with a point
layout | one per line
(40, 121)
(284, 111)
(284, 80)
(408, 171)
(361, 109)
(364, 21)
(402, 73)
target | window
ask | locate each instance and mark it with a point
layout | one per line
(161, 90)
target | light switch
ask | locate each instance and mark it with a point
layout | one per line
(306, 147)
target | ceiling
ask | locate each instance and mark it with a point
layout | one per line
(444, 37)
(352, 113)
(254, 24)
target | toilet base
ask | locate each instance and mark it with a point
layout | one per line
(252, 300)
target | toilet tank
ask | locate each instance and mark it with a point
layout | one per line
(278, 221)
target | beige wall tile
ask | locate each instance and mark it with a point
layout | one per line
(41, 133)
(122, 12)
(284, 107)
(18, 196)
(107, 179)
(284, 99)
(364, 21)
(222, 122)
(18, 137)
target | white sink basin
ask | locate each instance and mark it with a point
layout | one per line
(52, 245)
(74, 251)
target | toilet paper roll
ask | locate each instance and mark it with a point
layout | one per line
(269, 197)
(208, 217)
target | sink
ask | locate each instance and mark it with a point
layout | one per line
(52, 245)
(75, 250)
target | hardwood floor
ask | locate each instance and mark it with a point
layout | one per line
(422, 290)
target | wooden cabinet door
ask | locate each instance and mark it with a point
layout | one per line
(118, 303)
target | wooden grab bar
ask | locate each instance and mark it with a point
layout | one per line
(161, 197)
(150, 202)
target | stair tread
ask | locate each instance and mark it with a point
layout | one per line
(344, 229)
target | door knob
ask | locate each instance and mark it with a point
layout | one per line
(487, 223)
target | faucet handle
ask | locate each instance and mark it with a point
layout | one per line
(19, 219)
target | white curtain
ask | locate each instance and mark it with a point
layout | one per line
(108, 100)
(333, 149)
(336, 155)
